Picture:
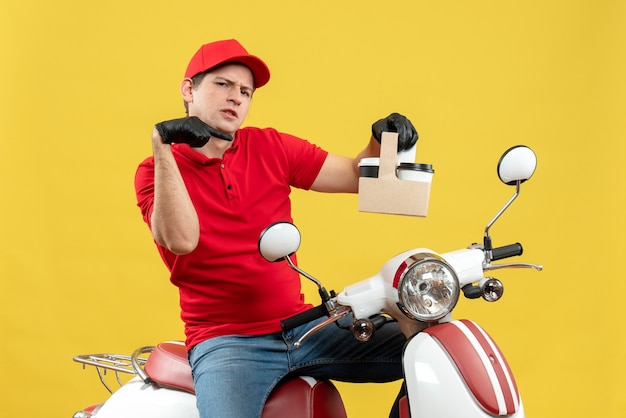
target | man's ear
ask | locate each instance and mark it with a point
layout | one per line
(186, 90)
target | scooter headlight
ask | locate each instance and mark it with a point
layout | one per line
(428, 287)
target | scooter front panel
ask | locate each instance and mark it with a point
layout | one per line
(456, 370)
(481, 365)
(434, 386)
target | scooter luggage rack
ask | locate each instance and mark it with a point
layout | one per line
(117, 362)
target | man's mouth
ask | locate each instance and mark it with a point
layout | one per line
(230, 113)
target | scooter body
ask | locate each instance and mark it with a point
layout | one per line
(452, 369)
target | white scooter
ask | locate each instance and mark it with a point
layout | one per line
(452, 368)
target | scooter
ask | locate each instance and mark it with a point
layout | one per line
(452, 368)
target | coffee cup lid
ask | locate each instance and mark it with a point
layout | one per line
(369, 161)
(417, 167)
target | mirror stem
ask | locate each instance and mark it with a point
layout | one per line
(322, 291)
(487, 239)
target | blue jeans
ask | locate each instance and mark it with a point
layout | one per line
(234, 375)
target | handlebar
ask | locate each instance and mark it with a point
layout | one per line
(506, 251)
(303, 317)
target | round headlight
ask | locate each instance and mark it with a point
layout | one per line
(428, 288)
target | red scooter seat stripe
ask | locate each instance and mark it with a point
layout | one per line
(481, 365)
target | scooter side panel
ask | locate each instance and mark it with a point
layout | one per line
(446, 377)
(137, 399)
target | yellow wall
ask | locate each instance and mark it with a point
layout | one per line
(82, 83)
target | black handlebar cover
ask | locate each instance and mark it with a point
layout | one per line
(507, 251)
(303, 317)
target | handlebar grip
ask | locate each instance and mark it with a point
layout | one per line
(303, 317)
(507, 251)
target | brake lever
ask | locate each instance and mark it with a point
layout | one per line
(489, 267)
(336, 316)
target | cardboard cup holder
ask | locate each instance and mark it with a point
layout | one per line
(389, 194)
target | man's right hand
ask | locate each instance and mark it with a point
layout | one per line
(190, 130)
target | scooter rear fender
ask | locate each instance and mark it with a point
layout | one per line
(137, 399)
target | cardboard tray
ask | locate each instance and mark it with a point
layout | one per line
(387, 193)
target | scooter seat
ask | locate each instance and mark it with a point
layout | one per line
(168, 366)
(295, 397)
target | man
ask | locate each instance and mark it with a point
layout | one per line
(207, 192)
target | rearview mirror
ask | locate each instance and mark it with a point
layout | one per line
(278, 241)
(517, 164)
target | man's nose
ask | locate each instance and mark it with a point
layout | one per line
(234, 96)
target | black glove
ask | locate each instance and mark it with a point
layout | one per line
(407, 135)
(190, 131)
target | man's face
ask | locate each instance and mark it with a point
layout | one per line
(222, 98)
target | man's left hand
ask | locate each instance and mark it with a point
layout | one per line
(407, 135)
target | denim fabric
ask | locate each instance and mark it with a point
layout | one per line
(234, 375)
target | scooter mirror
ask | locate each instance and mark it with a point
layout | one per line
(517, 164)
(278, 241)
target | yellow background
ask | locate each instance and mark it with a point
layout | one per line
(82, 84)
